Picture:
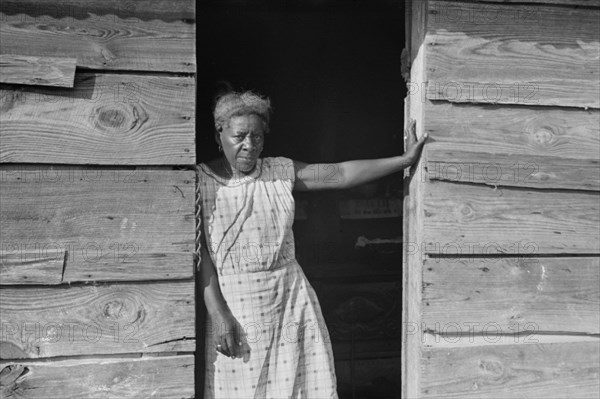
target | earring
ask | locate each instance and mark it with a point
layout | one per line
(220, 148)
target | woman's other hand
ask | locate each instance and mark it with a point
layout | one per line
(230, 336)
(413, 145)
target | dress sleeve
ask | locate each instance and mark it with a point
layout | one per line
(282, 168)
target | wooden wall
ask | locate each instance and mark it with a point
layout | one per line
(502, 287)
(97, 189)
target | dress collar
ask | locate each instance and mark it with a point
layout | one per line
(236, 181)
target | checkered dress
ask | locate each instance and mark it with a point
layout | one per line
(247, 224)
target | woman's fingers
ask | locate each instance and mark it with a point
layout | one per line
(225, 346)
(232, 345)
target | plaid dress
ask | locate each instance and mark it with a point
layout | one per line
(247, 224)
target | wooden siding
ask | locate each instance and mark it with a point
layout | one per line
(106, 224)
(146, 377)
(97, 202)
(520, 146)
(462, 219)
(490, 53)
(502, 241)
(99, 319)
(105, 119)
(566, 370)
(43, 71)
(512, 295)
(105, 37)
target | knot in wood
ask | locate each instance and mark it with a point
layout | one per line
(112, 118)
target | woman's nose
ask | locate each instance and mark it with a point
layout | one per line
(249, 143)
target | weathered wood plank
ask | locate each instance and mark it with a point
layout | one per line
(413, 213)
(19, 266)
(99, 319)
(114, 223)
(467, 219)
(41, 71)
(511, 295)
(513, 53)
(160, 377)
(524, 131)
(571, 3)
(526, 337)
(105, 119)
(515, 371)
(513, 145)
(101, 37)
(510, 170)
(164, 10)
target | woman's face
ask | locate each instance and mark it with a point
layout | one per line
(242, 141)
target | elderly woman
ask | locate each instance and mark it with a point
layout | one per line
(266, 337)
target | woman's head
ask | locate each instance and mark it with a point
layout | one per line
(241, 121)
(237, 104)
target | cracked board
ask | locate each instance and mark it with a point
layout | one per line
(161, 377)
(105, 119)
(134, 36)
(106, 224)
(512, 295)
(556, 370)
(99, 319)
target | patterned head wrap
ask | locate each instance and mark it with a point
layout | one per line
(236, 104)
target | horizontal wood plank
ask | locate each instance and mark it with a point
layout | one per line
(569, 3)
(513, 145)
(100, 378)
(511, 295)
(101, 37)
(41, 71)
(105, 119)
(566, 370)
(99, 319)
(513, 53)
(28, 267)
(112, 223)
(165, 10)
(469, 219)
(506, 129)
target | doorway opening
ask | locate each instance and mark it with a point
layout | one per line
(332, 69)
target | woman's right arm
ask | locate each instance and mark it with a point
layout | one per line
(224, 325)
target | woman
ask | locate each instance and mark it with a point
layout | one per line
(266, 337)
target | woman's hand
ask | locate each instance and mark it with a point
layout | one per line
(413, 146)
(229, 335)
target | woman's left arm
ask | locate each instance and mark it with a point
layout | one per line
(353, 173)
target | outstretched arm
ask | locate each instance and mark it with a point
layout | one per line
(353, 173)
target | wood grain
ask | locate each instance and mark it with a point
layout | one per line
(101, 38)
(513, 53)
(518, 371)
(541, 147)
(99, 319)
(105, 119)
(114, 223)
(164, 10)
(469, 219)
(570, 3)
(412, 272)
(100, 378)
(41, 71)
(21, 266)
(512, 295)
